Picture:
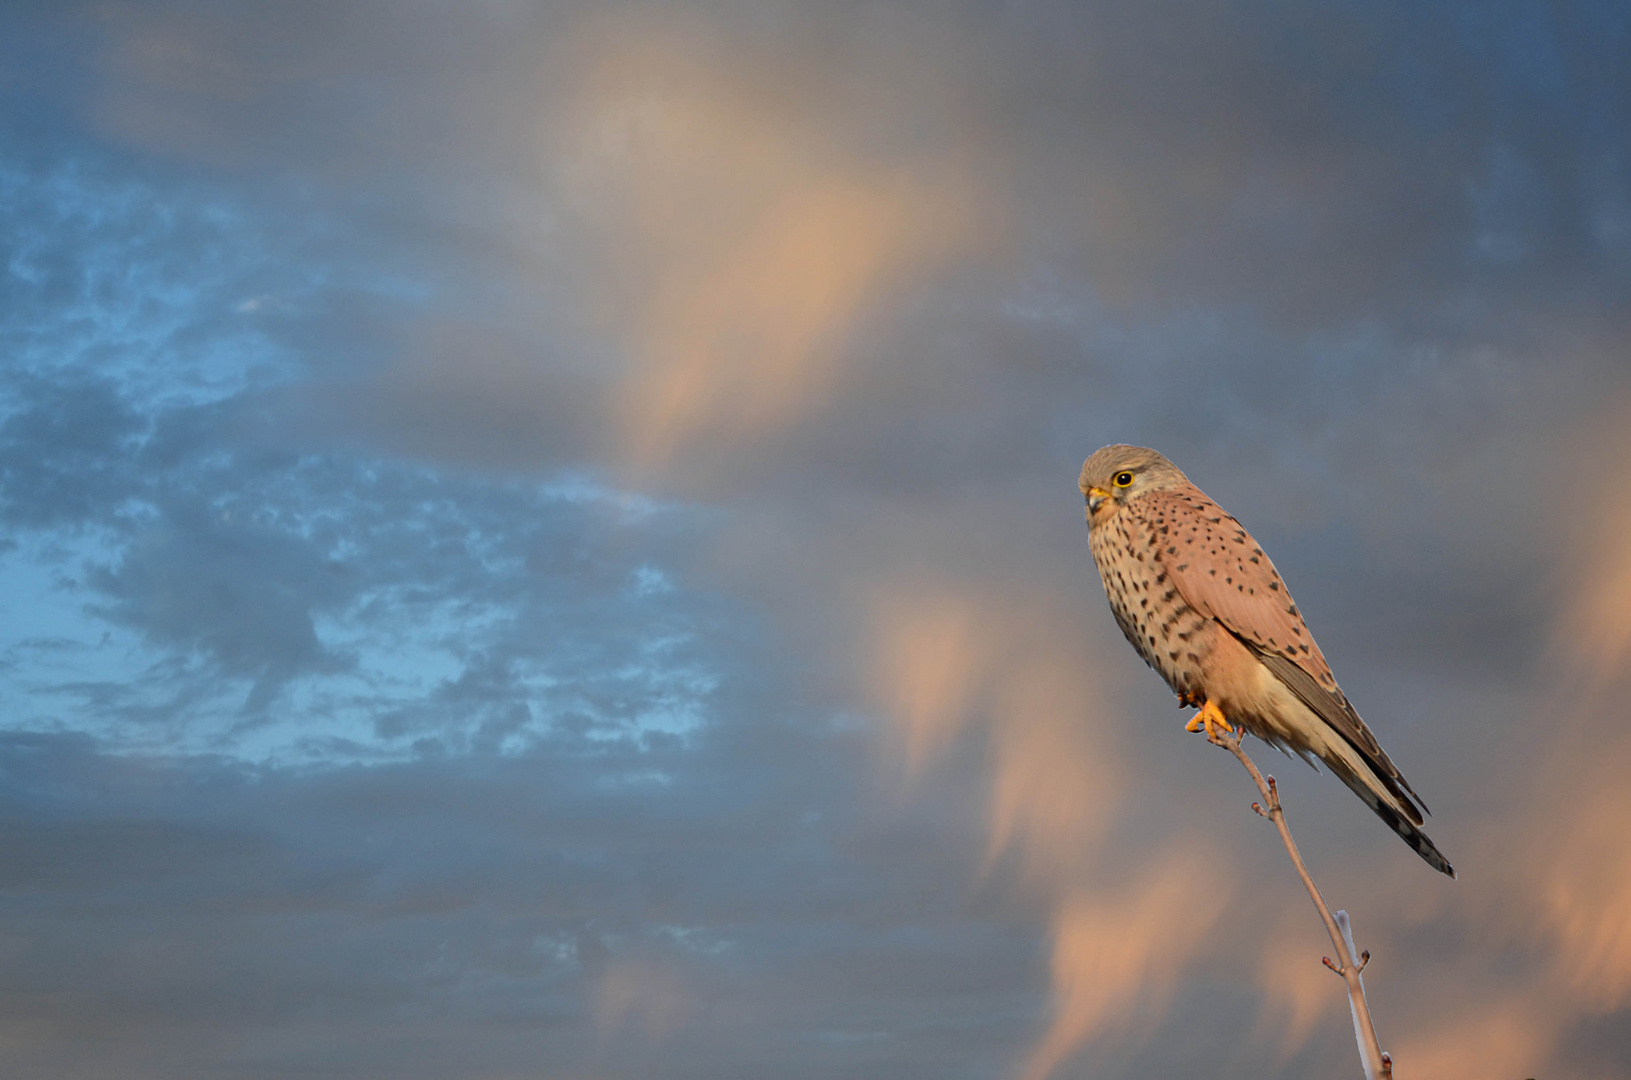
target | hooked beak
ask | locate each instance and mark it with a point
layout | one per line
(1095, 499)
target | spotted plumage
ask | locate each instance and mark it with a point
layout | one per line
(1205, 607)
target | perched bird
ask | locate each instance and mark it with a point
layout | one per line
(1205, 608)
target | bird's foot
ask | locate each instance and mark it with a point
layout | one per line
(1209, 719)
(1189, 699)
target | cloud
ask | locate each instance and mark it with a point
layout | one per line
(641, 999)
(1497, 1036)
(62, 449)
(756, 237)
(1117, 959)
(1577, 865)
(1593, 630)
(948, 658)
(242, 594)
(624, 459)
(1298, 992)
(1584, 881)
(1020, 668)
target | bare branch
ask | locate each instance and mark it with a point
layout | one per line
(1378, 1065)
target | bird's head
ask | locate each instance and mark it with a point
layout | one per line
(1120, 472)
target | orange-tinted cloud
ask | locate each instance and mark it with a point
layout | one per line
(1020, 672)
(1597, 626)
(1578, 870)
(1576, 851)
(1593, 629)
(951, 656)
(1117, 957)
(1504, 1037)
(933, 658)
(645, 999)
(1298, 991)
(1055, 779)
(746, 240)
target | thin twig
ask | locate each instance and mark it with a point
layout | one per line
(1378, 1065)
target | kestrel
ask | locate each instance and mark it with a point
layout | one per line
(1204, 607)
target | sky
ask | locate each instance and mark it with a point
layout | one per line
(541, 540)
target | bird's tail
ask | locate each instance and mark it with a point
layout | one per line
(1390, 804)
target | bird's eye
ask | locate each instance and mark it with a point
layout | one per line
(1123, 479)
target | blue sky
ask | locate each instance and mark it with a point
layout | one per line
(541, 540)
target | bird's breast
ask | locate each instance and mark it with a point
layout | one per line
(1168, 633)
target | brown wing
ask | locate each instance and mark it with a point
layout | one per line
(1223, 573)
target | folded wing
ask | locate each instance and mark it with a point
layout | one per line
(1223, 573)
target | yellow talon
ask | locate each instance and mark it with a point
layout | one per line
(1210, 716)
